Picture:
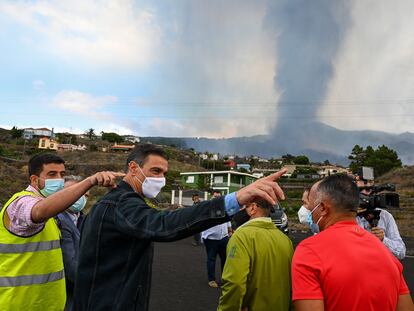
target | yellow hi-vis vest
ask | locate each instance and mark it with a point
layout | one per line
(31, 268)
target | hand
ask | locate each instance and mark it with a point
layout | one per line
(265, 188)
(106, 179)
(378, 232)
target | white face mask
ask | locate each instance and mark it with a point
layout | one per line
(303, 215)
(151, 186)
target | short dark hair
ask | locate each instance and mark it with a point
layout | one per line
(216, 191)
(341, 191)
(37, 161)
(264, 205)
(195, 195)
(140, 153)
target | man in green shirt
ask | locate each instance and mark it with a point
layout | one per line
(256, 275)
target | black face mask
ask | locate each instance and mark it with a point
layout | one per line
(240, 218)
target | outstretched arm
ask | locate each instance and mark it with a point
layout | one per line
(61, 200)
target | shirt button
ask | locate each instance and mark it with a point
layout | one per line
(218, 213)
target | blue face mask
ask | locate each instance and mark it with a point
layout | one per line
(314, 227)
(52, 186)
(78, 205)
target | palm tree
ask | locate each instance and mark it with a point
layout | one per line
(90, 133)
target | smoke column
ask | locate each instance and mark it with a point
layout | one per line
(308, 36)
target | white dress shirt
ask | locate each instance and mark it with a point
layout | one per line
(218, 232)
(392, 238)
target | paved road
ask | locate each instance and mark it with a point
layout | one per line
(180, 277)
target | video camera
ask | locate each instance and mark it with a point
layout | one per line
(374, 199)
(375, 196)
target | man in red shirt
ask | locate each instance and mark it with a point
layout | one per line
(344, 267)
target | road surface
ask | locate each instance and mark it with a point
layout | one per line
(180, 276)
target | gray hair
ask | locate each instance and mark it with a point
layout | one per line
(341, 191)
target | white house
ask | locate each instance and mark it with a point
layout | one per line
(29, 133)
(132, 138)
(70, 147)
(328, 170)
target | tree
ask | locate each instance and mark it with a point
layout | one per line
(15, 132)
(90, 133)
(357, 158)
(288, 158)
(382, 159)
(304, 160)
(112, 137)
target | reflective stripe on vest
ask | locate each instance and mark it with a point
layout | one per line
(31, 279)
(31, 268)
(29, 247)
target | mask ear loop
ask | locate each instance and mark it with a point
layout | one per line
(320, 218)
(141, 172)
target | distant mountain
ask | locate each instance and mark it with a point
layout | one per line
(316, 140)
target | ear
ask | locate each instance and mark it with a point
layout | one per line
(34, 180)
(253, 209)
(325, 208)
(133, 167)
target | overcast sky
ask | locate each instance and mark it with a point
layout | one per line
(206, 68)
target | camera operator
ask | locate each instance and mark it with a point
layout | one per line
(386, 229)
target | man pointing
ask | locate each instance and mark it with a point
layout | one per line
(116, 248)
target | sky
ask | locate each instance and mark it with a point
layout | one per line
(206, 68)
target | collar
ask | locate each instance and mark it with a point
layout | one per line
(265, 219)
(257, 221)
(343, 223)
(30, 188)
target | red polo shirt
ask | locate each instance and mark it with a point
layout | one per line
(349, 269)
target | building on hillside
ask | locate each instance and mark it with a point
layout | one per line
(327, 170)
(131, 138)
(264, 171)
(231, 164)
(70, 147)
(214, 157)
(258, 175)
(308, 176)
(290, 169)
(30, 133)
(244, 166)
(203, 156)
(125, 148)
(224, 181)
(47, 143)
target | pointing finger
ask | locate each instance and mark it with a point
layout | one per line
(277, 175)
(118, 174)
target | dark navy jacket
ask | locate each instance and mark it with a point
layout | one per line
(70, 250)
(116, 249)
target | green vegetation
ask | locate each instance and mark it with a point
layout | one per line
(90, 134)
(304, 160)
(15, 132)
(112, 137)
(67, 138)
(382, 159)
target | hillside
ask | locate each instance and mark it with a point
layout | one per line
(14, 173)
(403, 179)
(14, 176)
(316, 140)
